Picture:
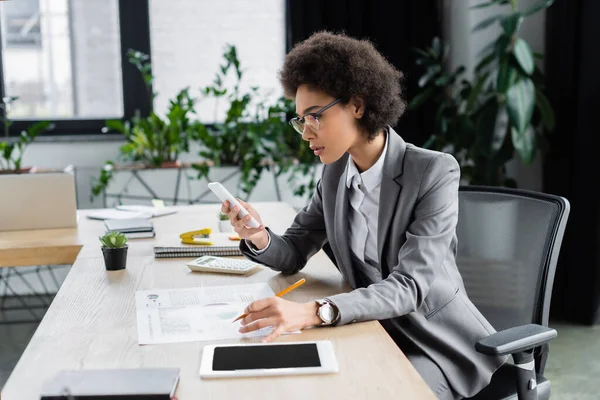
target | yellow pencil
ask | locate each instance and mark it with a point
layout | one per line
(282, 293)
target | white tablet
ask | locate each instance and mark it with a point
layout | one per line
(268, 359)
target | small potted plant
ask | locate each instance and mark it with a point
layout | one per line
(224, 224)
(114, 249)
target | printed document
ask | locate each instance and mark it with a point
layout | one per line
(195, 314)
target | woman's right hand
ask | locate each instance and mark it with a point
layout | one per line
(258, 236)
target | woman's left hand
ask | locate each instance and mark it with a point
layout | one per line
(283, 315)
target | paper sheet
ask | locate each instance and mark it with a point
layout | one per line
(195, 314)
(111, 213)
(153, 211)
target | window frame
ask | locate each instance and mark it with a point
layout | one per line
(134, 27)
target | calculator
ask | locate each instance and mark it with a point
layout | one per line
(223, 265)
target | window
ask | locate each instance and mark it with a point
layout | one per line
(62, 58)
(189, 52)
(66, 60)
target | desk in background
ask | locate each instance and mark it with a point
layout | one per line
(92, 321)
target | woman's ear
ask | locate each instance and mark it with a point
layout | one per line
(357, 107)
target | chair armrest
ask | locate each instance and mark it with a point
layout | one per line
(515, 340)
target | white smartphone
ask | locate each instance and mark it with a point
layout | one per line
(268, 359)
(223, 194)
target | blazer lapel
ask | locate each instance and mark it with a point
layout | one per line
(341, 230)
(390, 191)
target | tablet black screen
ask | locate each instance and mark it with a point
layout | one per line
(266, 357)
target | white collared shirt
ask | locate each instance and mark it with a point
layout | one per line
(363, 214)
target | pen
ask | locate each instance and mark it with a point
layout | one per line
(282, 293)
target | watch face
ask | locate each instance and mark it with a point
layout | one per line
(326, 313)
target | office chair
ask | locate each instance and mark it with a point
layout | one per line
(508, 246)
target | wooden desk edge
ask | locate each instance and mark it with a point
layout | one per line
(44, 255)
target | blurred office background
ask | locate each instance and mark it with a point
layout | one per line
(67, 62)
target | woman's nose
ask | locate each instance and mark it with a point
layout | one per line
(307, 133)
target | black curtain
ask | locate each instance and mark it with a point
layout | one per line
(572, 167)
(394, 27)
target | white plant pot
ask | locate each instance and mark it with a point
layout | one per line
(225, 226)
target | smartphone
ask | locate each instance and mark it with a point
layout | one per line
(223, 195)
(268, 359)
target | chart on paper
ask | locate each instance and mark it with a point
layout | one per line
(195, 314)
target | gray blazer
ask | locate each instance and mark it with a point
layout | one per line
(422, 289)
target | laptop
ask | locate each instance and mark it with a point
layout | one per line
(37, 201)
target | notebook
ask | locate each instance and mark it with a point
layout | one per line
(134, 228)
(195, 251)
(129, 225)
(122, 384)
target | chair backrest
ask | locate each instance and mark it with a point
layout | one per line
(508, 246)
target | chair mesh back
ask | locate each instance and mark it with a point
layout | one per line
(504, 242)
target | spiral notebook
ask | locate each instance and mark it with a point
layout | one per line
(196, 251)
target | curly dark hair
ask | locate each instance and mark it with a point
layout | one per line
(344, 67)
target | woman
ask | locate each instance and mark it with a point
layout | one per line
(387, 209)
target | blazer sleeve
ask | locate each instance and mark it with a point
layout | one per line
(289, 252)
(428, 240)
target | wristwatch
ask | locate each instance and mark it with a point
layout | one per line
(328, 312)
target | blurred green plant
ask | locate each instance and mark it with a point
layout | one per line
(12, 150)
(292, 154)
(502, 111)
(153, 140)
(240, 139)
(113, 240)
(254, 135)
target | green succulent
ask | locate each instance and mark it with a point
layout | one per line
(114, 240)
(223, 217)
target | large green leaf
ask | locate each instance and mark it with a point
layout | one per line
(7, 150)
(485, 61)
(520, 100)
(431, 72)
(482, 5)
(491, 127)
(512, 23)
(501, 45)
(475, 92)
(524, 144)
(546, 111)
(37, 128)
(537, 7)
(421, 98)
(422, 52)
(116, 125)
(486, 126)
(430, 142)
(500, 130)
(506, 76)
(486, 22)
(523, 55)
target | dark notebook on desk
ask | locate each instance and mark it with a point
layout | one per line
(132, 228)
(196, 251)
(113, 384)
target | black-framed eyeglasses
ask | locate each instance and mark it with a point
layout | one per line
(311, 119)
